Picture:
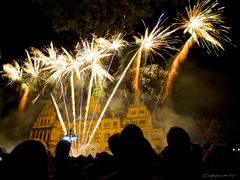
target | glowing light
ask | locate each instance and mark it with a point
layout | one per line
(205, 24)
(70, 136)
(152, 79)
(77, 73)
(12, 72)
(158, 39)
(23, 101)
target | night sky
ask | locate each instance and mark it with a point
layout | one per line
(206, 85)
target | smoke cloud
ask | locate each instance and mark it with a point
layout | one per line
(15, 126)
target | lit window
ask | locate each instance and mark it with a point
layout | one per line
(115, 124)
(135, 122)
(141, 111)
(133, 112)
(142, 122)
(97, 137)
(125, 123)
(107, 125)
(107, 135)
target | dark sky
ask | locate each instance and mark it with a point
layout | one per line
(206, 85)
(22, 25)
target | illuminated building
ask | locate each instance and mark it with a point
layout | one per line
(47, 127)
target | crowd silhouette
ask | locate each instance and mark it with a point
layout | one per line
(132, 157)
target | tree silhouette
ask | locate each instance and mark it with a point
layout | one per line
(98, 17)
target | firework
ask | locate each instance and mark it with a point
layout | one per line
(12, 72)
(115, 44)
(15, 74)
(77, 73)
(23, 100)
(158, 39)
(71, 70)
(152, 77)
(205, 24)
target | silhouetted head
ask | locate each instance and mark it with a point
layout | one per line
(114, 143)
(62, 149)
(29, 160)
(131, 133)
(136, 153)
(178, 138)
(133, 142)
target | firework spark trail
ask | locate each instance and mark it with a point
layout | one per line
(59, 115)
(87, 105)
(158, 38)
(73, 101)
(110, 97)
(70, 58)
(116, 44)
(99, 96)
(39, 67)
(175, 66)
(72, 64)
(15, 73)
(93, 54)
(58, 66)
(150, 73)
(12, 72)
(64, 65)
(80, 113)
(23, 100)
(35, 68)
(65, 104)
(98, 51)
(137, 72)
(32, 68)
(33, 71)
(200, 24)
(55, 68)
(90, 123)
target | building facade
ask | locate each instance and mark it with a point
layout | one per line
(48, 128)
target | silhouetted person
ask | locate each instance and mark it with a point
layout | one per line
(219, 159)
(65, 168)
(113, 163)
(114, 144)
(101, 165)
(137, 154)
(62, 150)
(29, 160)
(178, 160)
